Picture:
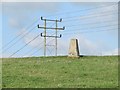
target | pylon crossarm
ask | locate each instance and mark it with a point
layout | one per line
(51, 20)
(51, 28)
(51, 36)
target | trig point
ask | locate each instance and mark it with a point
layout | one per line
(73, 48)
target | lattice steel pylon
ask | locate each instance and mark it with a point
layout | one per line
(45, 33)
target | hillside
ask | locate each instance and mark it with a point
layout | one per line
(37, 72)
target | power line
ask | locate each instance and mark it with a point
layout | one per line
(91, 31)
(18, 40)
(92, 27)
(92, 14)
(24, 46)
(37, 46)
(80, 17)
(19, 35)
(33, 48)
(81, 10)
(88, 23)
(21, 38)
(84, 17)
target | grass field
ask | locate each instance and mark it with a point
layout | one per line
(63, 72)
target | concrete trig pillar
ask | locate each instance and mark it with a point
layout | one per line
(73, 48)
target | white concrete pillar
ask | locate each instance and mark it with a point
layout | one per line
(73, 48)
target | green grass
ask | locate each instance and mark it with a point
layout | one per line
(63, 72)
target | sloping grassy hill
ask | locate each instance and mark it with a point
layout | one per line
(85, 72)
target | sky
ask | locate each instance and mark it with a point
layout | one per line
(94, 24)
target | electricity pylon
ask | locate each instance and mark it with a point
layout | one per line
(45, 33)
